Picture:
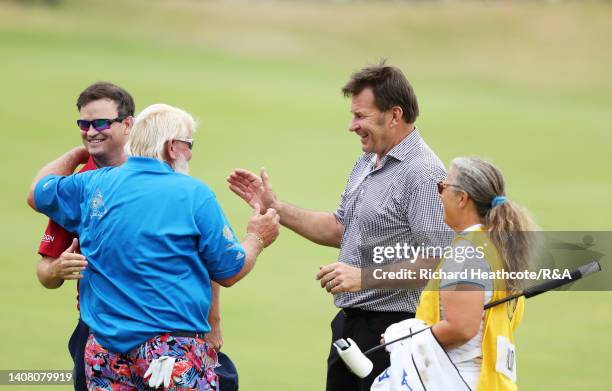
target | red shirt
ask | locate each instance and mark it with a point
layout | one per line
(56, 239)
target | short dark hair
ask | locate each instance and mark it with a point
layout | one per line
(390, 88)
(105, 90)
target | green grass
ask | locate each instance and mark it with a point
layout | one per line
(524, 84)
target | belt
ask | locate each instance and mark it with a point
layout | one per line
(187, 334)
(352, 312)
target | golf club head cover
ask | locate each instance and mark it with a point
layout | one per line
(355, 360)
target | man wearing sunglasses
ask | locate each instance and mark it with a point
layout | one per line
(105, 118)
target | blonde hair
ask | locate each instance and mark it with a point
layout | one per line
(508, 224)
(154, 126)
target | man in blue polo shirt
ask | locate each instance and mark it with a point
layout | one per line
(154, 239)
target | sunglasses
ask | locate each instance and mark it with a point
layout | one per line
(98, 124)
(188, 141)
(443, 185)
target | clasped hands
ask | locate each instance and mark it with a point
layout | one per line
(256, 190)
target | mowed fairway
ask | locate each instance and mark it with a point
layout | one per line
(526, 85)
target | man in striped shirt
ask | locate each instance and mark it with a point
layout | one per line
(391, 197)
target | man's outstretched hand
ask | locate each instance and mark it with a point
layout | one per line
(253, 189)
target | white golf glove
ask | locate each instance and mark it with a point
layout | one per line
(400, 329)
(160, 371)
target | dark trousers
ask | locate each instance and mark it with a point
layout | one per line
(76, 347)
(365, 328)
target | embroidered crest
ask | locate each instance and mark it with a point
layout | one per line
(97, 207)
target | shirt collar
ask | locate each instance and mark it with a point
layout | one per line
(90, 165)
(147, 164)
(472, 228)
(401, 150)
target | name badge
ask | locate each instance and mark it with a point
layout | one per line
(506, 358)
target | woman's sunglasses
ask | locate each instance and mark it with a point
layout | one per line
(443, 185)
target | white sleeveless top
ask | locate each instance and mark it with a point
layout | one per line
(468, 357)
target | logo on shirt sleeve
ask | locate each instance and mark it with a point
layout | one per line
(46, 238)
(46, 184)
(227, 233)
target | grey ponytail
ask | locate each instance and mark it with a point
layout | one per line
(508, 223)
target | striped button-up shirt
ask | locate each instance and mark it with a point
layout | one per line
(394, 202)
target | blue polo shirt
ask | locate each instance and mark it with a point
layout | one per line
(153, 239)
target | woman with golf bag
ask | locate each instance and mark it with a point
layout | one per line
(492, 234)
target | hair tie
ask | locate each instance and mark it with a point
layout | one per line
(498, 200)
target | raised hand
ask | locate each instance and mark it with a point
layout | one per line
(72, 159)
(80, 154)
(253, 189)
